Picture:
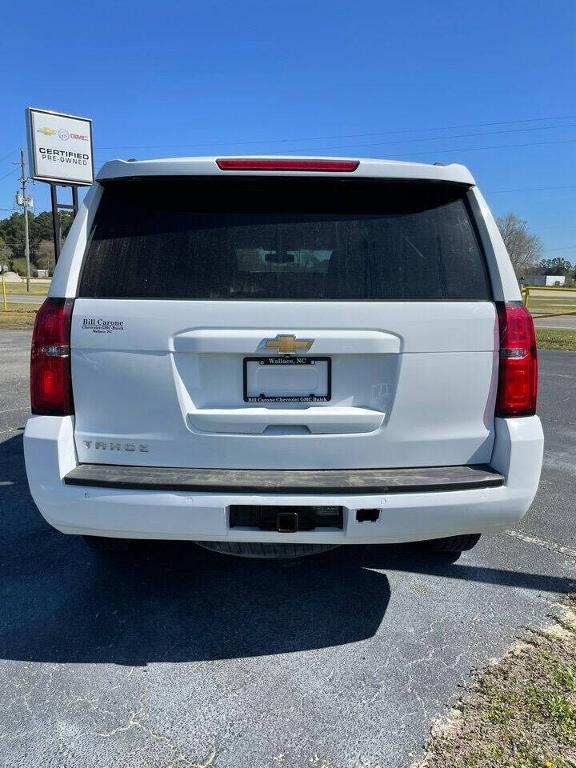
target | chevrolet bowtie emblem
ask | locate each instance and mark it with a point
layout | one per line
(47, 131)
(286, 344)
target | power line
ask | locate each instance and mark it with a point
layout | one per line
(441, 138)
(445, 138)
(8, 174)
(346, 136)
(568, 228)
(493, 146)
(528, 189)
(432, 151)
(10, 154)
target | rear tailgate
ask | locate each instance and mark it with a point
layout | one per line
(294, 323)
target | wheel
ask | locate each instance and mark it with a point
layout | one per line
(264, 551)
(453, 544)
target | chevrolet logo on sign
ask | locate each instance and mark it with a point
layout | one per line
(286, 344)
(47, 131)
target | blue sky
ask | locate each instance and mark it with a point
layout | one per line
(489, 84)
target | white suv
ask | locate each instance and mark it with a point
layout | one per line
(279, 355)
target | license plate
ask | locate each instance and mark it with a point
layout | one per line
(287, 379)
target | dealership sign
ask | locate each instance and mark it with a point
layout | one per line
(60, 147)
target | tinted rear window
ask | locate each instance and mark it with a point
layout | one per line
(287, 239)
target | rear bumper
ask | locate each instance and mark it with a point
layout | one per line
(86, 503)
(297, 481)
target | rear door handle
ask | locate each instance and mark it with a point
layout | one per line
(326, 420)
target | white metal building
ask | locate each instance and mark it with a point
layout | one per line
(548, 280)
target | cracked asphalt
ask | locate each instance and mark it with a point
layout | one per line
(172, 657)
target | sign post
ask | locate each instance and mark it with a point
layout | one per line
(60, 153)
(56, 222)
(4, 299)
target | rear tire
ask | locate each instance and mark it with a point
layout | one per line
(451, 545)
(264, 551)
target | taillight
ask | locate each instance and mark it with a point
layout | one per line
(50, 374)
(283, 164)
(518, 371)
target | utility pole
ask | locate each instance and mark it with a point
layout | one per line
(25, 203)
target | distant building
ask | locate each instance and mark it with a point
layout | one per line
(548, 280)
(12, 277)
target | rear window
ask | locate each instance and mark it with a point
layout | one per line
(283, 239)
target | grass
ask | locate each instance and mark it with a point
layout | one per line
(552, 303)
(37, 289)
(556, 338)
(520, 712)
(552, 309)
(18, 316)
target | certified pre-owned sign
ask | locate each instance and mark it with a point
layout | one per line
(60, 147)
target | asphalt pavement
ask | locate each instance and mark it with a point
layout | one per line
(174, 657)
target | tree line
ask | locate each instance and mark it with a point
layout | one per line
(527, 252)
(525, 248)
(12, 252)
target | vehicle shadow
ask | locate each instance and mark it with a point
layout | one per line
(173, 601)
(164, 601)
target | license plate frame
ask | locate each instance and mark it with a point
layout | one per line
(286, 360)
